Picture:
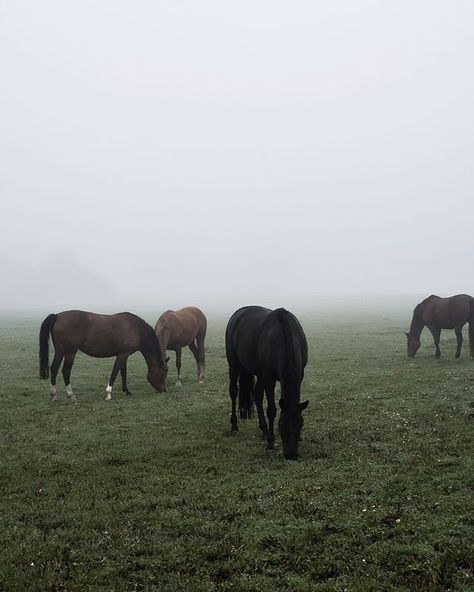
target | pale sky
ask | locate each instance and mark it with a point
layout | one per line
(188, 152)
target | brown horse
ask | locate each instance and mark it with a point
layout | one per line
(181, 328)
(100, 336)
(442, 313)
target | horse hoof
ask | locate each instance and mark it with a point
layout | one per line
(127, 393)
(231, 433)
(179, 383)
(108, 397)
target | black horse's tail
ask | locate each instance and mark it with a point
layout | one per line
(471, 329)
(46, 328)
(246, 384)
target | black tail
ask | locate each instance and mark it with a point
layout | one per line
(245, 395)
(46, 328)
(471, 329)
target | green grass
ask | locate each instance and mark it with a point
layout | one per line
(148, 493)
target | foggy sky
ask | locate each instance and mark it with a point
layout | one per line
(188, 152)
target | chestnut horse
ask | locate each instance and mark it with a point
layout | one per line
(100, 336)
(442, 313)
(271, 345)
(176, 329)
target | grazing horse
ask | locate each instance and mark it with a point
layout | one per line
(271, 345)
(100, 336)
(176, 329)
(442, 313)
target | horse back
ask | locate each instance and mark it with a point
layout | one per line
(283, 346)
(448, 313)
(265, 341)
(97, 335)
(182, 326)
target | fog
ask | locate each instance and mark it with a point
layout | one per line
(182, 152)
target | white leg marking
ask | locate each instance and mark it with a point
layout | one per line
(70, 394)
(108, 390)
(53, 392)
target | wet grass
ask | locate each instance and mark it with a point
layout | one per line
(147, 492)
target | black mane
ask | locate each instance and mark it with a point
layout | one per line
(149, 338)
(291, 363)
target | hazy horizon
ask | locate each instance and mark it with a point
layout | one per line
(172, 153)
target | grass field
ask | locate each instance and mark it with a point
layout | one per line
(147, 492)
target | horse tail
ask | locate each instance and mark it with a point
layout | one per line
(46, 328)
(471, 329)
(246, 384)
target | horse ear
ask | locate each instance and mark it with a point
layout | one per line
(283, 404)
(302, 406)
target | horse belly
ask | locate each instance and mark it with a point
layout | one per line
(97, 352)
(248, 359)
(101, 348)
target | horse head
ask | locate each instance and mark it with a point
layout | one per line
(413, 344)
(289, 426)
(157, 375)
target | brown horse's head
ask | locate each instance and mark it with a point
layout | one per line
(157, 376)
(413, 344)
(289, 426)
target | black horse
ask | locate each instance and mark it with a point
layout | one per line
(442, 313)
(270, 345)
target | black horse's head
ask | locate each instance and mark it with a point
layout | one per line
(289, 426)
(157, 376)
(413, 344)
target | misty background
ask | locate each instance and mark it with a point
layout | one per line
(182, 152)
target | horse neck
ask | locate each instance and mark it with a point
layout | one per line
(290, 384)
(417, 324)
(289, 363)
(150, 350)
(163, 336)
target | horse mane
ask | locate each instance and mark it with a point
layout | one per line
(283, 317)
(149, 338)
(419, 307)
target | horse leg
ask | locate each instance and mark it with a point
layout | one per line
(233, 392)
(271, 413)
(258, 394)
(436, 337)
(123, 373)
(178, 366)
(458, 332)
(58, 358)
(436, 332)
(119, 360)
(197, 349)
(201, 358)
(67, 367)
